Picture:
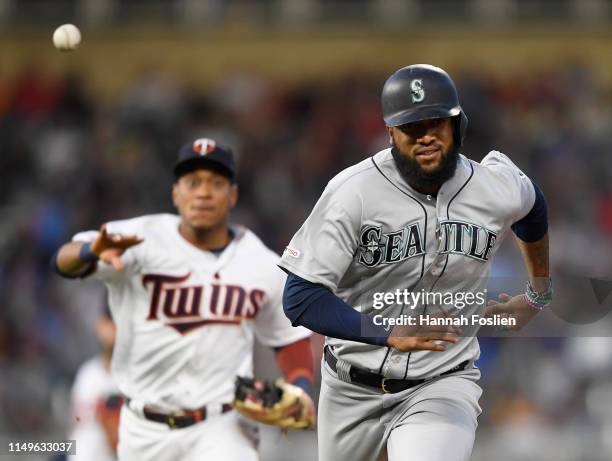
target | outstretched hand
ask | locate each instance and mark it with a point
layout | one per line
(515, 307)
(110, 247)
(422, 335)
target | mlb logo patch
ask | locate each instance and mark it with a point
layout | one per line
(204, 146)
(292, 252)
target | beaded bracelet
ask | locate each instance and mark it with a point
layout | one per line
(540, 300)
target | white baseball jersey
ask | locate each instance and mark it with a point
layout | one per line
(186, 318)
(93, 382)
(370, 232)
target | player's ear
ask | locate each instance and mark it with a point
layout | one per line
(233, 195)
(175, 194)
(390, 131)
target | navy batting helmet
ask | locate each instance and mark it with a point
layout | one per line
(421, 92)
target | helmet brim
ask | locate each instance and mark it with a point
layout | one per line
(422, 113)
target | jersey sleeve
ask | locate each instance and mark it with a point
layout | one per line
(106, 272)
(519, 186)
(325, 245)
(272, 327)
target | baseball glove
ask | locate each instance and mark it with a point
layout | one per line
(276, 403)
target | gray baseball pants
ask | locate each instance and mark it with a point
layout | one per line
(435, 421)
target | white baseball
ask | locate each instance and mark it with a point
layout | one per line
(66, 37)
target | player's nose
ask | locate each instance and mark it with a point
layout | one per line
(427, 138)
(203, 194)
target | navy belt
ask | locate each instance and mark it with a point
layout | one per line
(387, 385)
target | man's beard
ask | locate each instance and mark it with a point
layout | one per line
(416, 177)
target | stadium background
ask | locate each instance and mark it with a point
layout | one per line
(294, 86)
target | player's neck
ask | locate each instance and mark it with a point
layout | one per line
(106, 359)
(206, 239)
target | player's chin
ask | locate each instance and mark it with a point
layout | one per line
(203, 223)
(435, 163)
(431, 168)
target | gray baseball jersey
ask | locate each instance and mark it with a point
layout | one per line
(371, 233)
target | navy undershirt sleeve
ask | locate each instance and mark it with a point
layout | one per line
(535, 225)
(53, 265)
(315, 307)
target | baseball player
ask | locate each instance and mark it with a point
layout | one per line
(420, 217)
(188, 294)
(92, 391)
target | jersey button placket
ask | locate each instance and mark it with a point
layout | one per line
(436, 266)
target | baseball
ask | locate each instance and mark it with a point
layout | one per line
(66, 37)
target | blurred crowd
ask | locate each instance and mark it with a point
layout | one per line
(70, 161)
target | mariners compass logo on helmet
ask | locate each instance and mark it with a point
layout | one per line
(204, 146)
(417, 91)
